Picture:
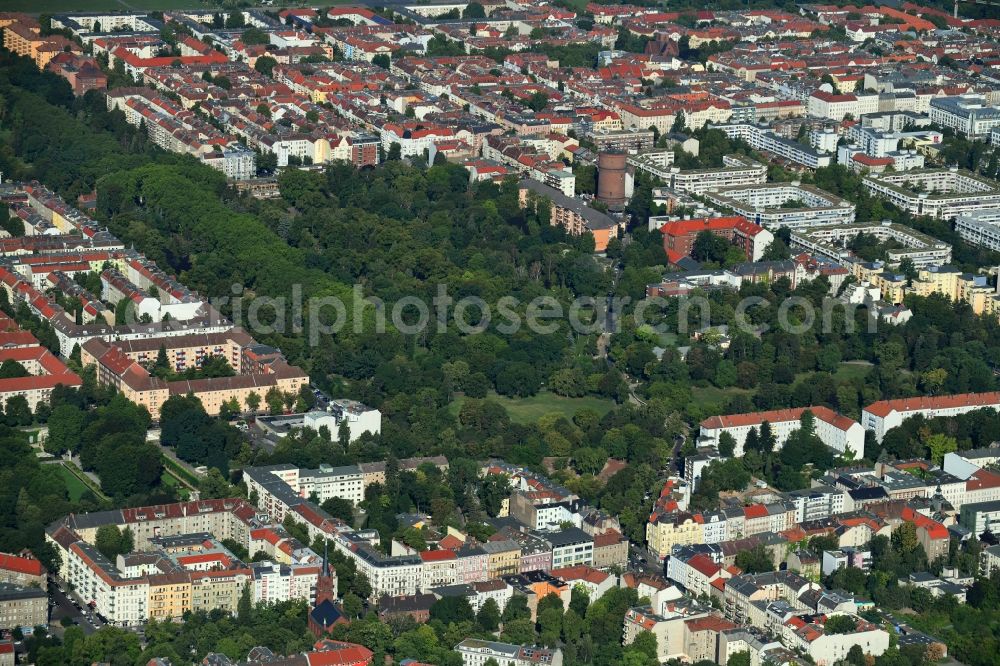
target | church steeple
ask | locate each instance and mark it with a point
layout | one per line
(324, 582)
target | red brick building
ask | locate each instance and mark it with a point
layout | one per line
(679, 236)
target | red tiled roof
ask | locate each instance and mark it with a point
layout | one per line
(709, 623)
(589, 574)
(984, 478)
(201, 558)
(437, 555)
(338, 653)
(935, 530)
(882, 408)
(778, 416)
(450, 542)
(830, 97)
(704, 565)
(25, 565)
(609, 538)
(867, 160)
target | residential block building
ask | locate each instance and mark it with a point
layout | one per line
(476, 652)
(885, 415)
(837, 431)
(940, 193)
(571, 214)
(23, 606)
(784, 205)
(679, 236)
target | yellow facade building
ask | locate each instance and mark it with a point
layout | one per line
(674, 529)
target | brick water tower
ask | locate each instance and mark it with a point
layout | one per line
(611, 179)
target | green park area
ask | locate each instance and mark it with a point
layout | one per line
(74, 485)
(530, 409)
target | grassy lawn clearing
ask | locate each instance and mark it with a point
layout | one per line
(529, 410)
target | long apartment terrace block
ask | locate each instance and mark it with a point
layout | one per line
(940, 193)
(832, 242)
(835, 430)
(736, 170)
(884, 415)
(784, 204)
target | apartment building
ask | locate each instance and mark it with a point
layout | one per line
(831, 242)
(116, 368)
(23, 606)
(543, 509)
(346, 482)
(394, 576)
(476, 652)
(784, 205)
(439, 568)
(969, 115)
(818, 502)
(980, 517)
(741, 591)
(571, 547)
(503, 558)
(695, 573)
(679, 236)
(826, 649)
(673, 529)
(940, 193)
(272, 485)
(831, 106)
(884, 415)
(23, 37)
(981, 228)
(571, 214)
(667, 624)
(282, 582)
(837, 431)
(45, 372)
(178, 565)
(736, 171)
(893, 287)
(236, 162)
(610, 550)
(764, 139)
(275, 490)
(595, 582)
(24, 570)
(630, 141)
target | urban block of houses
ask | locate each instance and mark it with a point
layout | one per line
(179, 564)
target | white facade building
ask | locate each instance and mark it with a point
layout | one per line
(283, 582)
(835, 430)
(940, 193)
(884, 415)
(969, 115)
(784, 205)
